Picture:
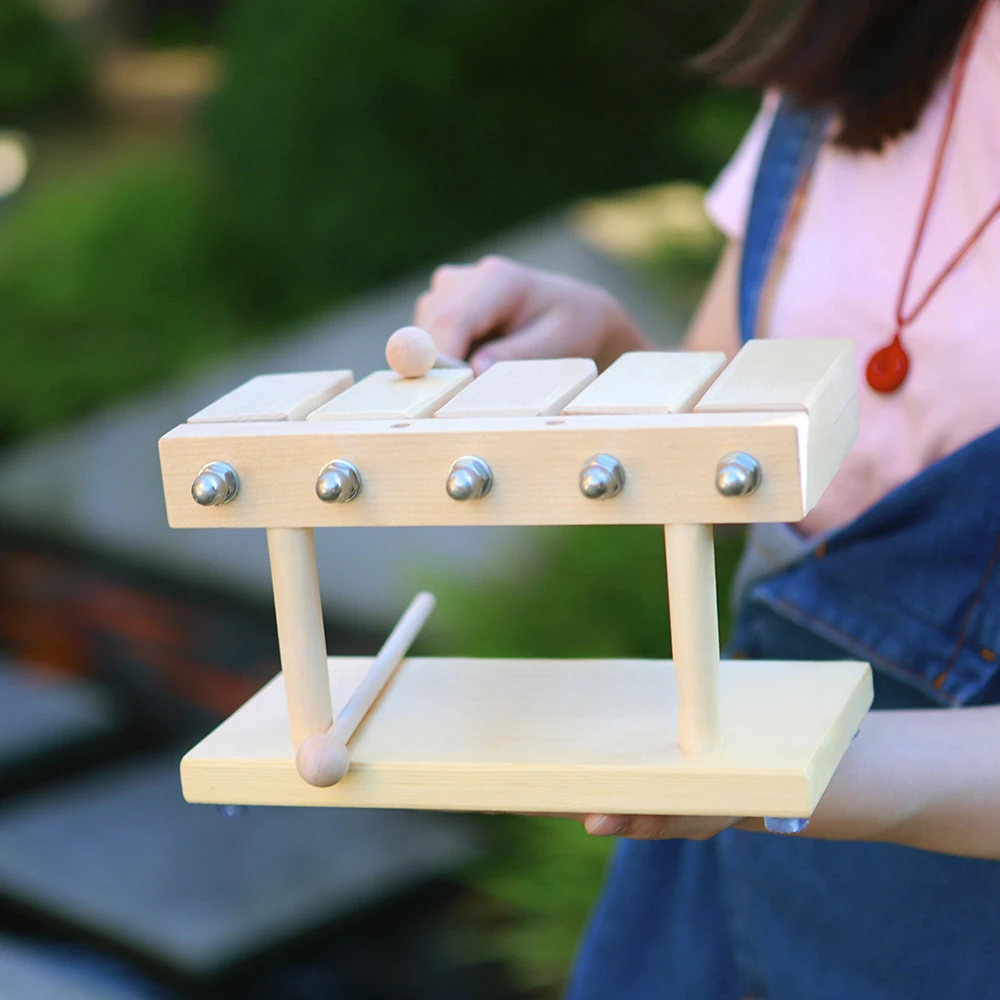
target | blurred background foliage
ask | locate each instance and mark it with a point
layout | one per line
(348, 143)
(108, 281)
(401, 131)
(41, 71)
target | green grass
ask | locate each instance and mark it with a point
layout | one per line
(534, 894)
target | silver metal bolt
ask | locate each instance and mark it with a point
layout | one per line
(602, 478)
(738, 475)
(783, 824)
(339, 482)
(217, 483)
(232, 812)
(470, 478)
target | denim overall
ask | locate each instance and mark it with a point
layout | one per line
(913, 587)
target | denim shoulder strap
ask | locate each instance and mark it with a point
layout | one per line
(789, 154)
(913, 585)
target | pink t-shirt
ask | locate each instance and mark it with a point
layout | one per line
(842, 278)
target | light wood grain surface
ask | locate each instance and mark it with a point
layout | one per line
(552, 735)
(779, 375)
(386, 395)
(301, 636)
(790, 404)
(522, 389)
(818, 377)
(275, 397)
(650, 382)
(670, 462)
(694, 634)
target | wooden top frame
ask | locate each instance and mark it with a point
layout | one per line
(792, 405)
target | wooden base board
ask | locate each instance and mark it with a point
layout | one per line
(551, 736)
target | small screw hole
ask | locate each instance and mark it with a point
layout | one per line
(399, 426)
(555, 423)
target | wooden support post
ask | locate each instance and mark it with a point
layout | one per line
(694, 628)
(301, 638)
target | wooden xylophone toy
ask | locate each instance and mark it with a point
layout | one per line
(678, 439)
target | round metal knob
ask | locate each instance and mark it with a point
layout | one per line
(469, 479)
(339, 482)
(738, 475)
(217, 483)
(602, 478)
(783, 824)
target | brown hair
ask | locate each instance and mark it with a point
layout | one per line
(873, 62)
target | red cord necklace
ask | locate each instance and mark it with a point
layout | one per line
(889, 365)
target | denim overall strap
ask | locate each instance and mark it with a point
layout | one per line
(913, 586)
(787, 159)
(789, 153)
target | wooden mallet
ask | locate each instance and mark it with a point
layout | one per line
(411, 353)
(323, 760)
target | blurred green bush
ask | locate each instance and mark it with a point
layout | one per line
(589, 592)
(359, 139)
(106, 282)
(40, 70)
(349, 142)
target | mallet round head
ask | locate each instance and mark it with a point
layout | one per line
(322, 760)
(411, 352)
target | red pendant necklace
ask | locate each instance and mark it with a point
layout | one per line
(889, 365)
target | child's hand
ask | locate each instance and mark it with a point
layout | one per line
(656, 827)
(498, 310)
(659, 827)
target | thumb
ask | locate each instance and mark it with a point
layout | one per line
(547, 336)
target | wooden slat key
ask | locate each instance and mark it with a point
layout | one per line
(324, 760)
(816, 377)
(650, 382)
(780, 375)
(275, 397)
(522, 389)
(388, 396)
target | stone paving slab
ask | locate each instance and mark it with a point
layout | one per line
(28, 974)
(41, 718)
(123, 857)
(118, 446)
